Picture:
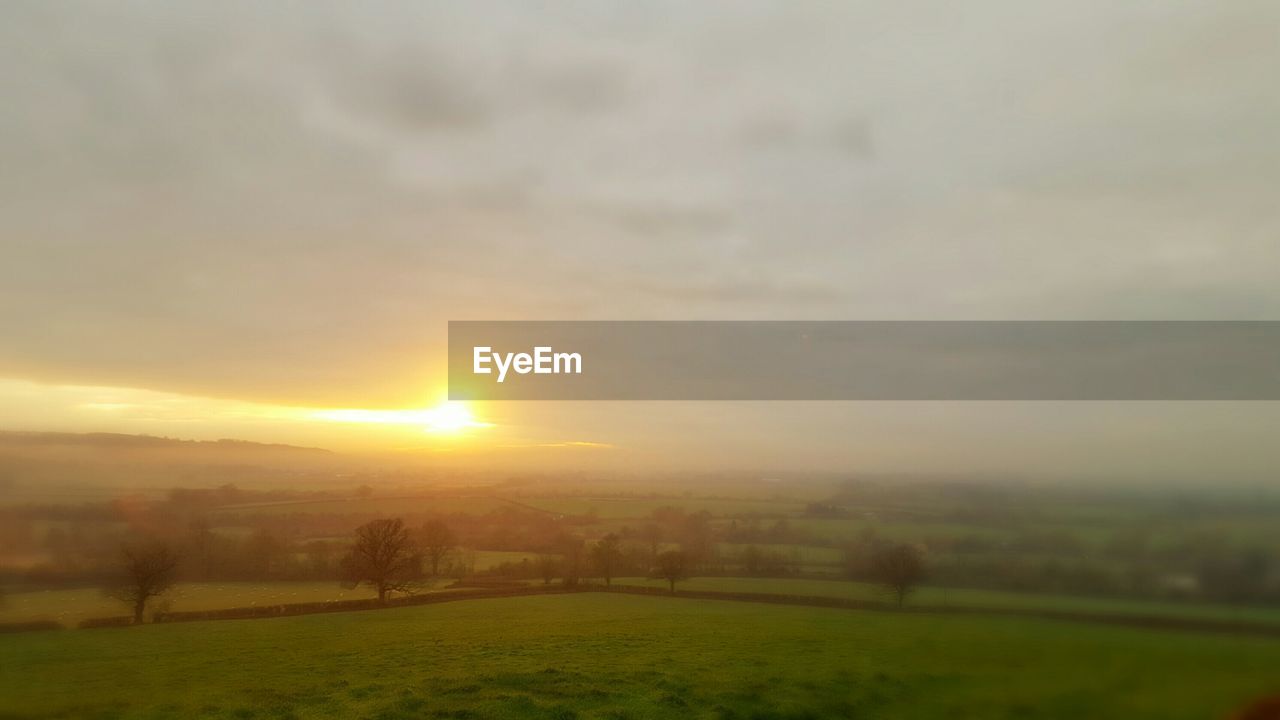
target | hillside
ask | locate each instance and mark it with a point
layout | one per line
(51, 466)
(606, 656)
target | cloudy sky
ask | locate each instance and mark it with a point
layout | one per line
(215, 218)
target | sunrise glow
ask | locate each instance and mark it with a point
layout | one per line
(445, 418)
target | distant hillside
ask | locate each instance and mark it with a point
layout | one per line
(53, 465)
(19, 439)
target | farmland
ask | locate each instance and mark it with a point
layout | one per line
(608, 656)
(1034, 602)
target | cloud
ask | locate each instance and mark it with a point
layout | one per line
(286, 204)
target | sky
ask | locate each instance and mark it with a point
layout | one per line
(254, 219)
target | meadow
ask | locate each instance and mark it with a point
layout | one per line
(612, 656)
(995, 600)
(71, 606)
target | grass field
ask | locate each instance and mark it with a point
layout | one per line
(69, 607)
(608, 656)
(962, 597)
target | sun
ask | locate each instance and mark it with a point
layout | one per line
(449, 417)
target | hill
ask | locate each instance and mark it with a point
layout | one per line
(71, 467)
(21, 439)
(610, 656)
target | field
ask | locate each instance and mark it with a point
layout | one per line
(606, 656)
(69, 607)
(968, 598)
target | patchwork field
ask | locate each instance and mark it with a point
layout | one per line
(609, 656)
(968, 598)
(70, 606)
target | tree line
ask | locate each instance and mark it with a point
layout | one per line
(388, 557)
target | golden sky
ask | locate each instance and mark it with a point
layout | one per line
(240, 221)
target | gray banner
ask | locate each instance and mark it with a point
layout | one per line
(864, 360)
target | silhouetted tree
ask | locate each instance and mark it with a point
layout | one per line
(263, 553)
(571, 551)
(672, 566)
(319, 558)
(607, 556)
(437, 542)
(548, 566)
(199, 550)
(1238, 576)
(652, 535)
(697, 539)
(899, 568)
(384, 558)
(147, 569)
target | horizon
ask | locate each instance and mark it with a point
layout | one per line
(256, 240)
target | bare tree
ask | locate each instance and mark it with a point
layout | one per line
(437, 542)
(548, 566)
(147, 569)
(200, 545)
(651, 533)
(572, 552)
(672, 566)
(607, 556)
(263, 554)
(899, 568)
(384, 557)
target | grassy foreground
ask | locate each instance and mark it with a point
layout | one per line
(607, 656)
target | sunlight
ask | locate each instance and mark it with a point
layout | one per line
(450, 417)
(446, 418)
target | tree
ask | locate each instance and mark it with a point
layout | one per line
(1239, 576)
(607, 556)
(651, 533)
(147, 570)
(384, 558)
(263, 553)
(200, 543)
(571, 551)
(548, 566)
(319, 558)
(672, 566)
(697, 539)
(437, 542)
(899, 568)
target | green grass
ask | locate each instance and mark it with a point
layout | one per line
(610, 656)
(958, 597)
(69, 607)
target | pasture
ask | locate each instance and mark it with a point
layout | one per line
(611, 656)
